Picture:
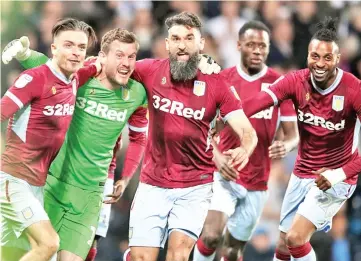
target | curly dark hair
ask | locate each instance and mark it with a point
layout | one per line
(326, 30)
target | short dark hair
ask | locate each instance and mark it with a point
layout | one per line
(122, 35)
(326, 30)
(256, 25)
(184, 18)
(71, 24)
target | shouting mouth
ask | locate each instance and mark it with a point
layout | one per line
(319, 73)
(123, 72)
(182, 56)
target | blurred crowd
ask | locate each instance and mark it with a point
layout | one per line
(291, 24)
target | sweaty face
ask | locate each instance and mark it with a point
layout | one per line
(323, 58)
(254, 48)
(69, 50)
(184, 44)
(120, 62)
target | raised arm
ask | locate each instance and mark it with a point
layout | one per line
(20, 50)
(282, 89)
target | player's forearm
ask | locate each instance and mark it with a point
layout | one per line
(352, 168)
(134, 153)
(258, 103)
(249, 140)
(290, 135)
(8, 108)
(85, 73)
(113, 163)
(347, 171)
(35, 59)
(291, 143)
(216, 151)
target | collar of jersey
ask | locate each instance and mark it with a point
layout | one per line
(333, 85)
(58, 75)
(254, 77)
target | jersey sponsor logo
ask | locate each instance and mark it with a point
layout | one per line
(314, 120)
(337, 102)
(265, 114)
(199, 88)
(53, 90)
(175, 107)
(100, 110)
(164, 80)
(23, 80)
(58, 110)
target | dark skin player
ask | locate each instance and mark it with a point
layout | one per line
(253, 45)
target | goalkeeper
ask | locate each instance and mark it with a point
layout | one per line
(103, 106)
(75, 185)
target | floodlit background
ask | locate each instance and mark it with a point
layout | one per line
(291, 25)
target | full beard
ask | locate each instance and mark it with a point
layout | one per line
(183, 71)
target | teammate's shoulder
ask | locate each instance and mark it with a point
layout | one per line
(301, 75)
(153, 62)
(350, 81)
(272, 73)
(349, 78)
(228, 71)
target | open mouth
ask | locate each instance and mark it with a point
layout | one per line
(319, 73)
(183, 56)
(123, 72)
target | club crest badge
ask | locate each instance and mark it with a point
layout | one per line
(199, 88)
(337, 103)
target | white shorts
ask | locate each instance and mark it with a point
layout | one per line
(304, 198)
(243, 207)
(21, 206)
(156, 212)
(104, 216)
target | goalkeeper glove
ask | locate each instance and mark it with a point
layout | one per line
(207, 65)
(18, 49)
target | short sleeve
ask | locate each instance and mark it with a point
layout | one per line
(227, 98)
(142, 69)
(287, 111)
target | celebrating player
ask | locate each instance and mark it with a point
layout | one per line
(103, 106)
(328, 104)
(238, 205)
(41, 104)
(174, 192)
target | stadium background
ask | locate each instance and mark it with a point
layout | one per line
(290, 23)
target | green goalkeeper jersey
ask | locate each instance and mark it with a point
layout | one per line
(99, 117)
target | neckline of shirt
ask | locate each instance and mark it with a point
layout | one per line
(251, 78)
(58, 75)
(332, 87)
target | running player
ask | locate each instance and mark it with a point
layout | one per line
(328, 104)
(103, 107)
(40, 104)
(238, 206)
(174, 192)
